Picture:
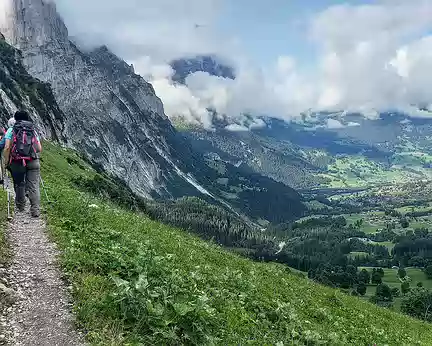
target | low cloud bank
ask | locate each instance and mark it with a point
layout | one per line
(370, 58)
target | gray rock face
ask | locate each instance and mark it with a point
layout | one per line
(19, 90)
(35, 22)
(112, 114)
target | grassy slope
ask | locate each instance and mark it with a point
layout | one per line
(138, 281)
(4, 250)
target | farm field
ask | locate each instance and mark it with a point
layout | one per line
(359, 171)
(391, 278)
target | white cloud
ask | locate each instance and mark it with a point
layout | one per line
(370, 58)
(236, 128)
(353, 124)
(179, 101)
(366, 63)
(334, 124)
(285, 65)
(162, 29)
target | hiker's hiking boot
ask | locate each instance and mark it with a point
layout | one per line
(20, 208)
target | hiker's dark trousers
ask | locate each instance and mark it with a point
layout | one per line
(26, 179)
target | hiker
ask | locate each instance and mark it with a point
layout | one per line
(21, 154)
(11, 123)
(3, 133)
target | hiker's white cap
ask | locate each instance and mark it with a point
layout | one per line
(11, 122)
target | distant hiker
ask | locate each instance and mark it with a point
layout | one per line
(3, 133)
(21, 154)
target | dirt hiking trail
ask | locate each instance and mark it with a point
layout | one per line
(41, 313)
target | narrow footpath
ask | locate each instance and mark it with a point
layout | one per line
(42, 312)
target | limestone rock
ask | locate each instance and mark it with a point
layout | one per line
(7, 295)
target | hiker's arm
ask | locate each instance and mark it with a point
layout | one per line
(38, 147)
(38, 144)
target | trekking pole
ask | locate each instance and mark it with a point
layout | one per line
(9, 215)
(6, 186)
(46, 194)
(2, 178)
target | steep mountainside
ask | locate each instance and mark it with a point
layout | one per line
(279, 160)
(20, 90)
(112, 114)
(115, 118)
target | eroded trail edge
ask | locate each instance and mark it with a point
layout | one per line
(42, 313)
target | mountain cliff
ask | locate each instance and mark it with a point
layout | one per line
(20, 90)
(114, 117)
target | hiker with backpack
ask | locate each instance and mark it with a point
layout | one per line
(21, 155)
(3, 133)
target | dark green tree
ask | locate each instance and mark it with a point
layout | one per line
(405, 287)
(359, 223)
(364, 276)
(384, 293)
(404, 223)
(428, 272)
(380, 271)
(419, 284)
(376, 278)
(418, 303)
(395, 292)
(361, 289)
(402, 273)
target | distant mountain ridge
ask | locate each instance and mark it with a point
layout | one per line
(203, 63)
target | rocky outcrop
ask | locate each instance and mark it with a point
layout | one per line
(19, 90)
(7, 295)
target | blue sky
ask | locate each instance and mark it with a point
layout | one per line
(267, 29)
